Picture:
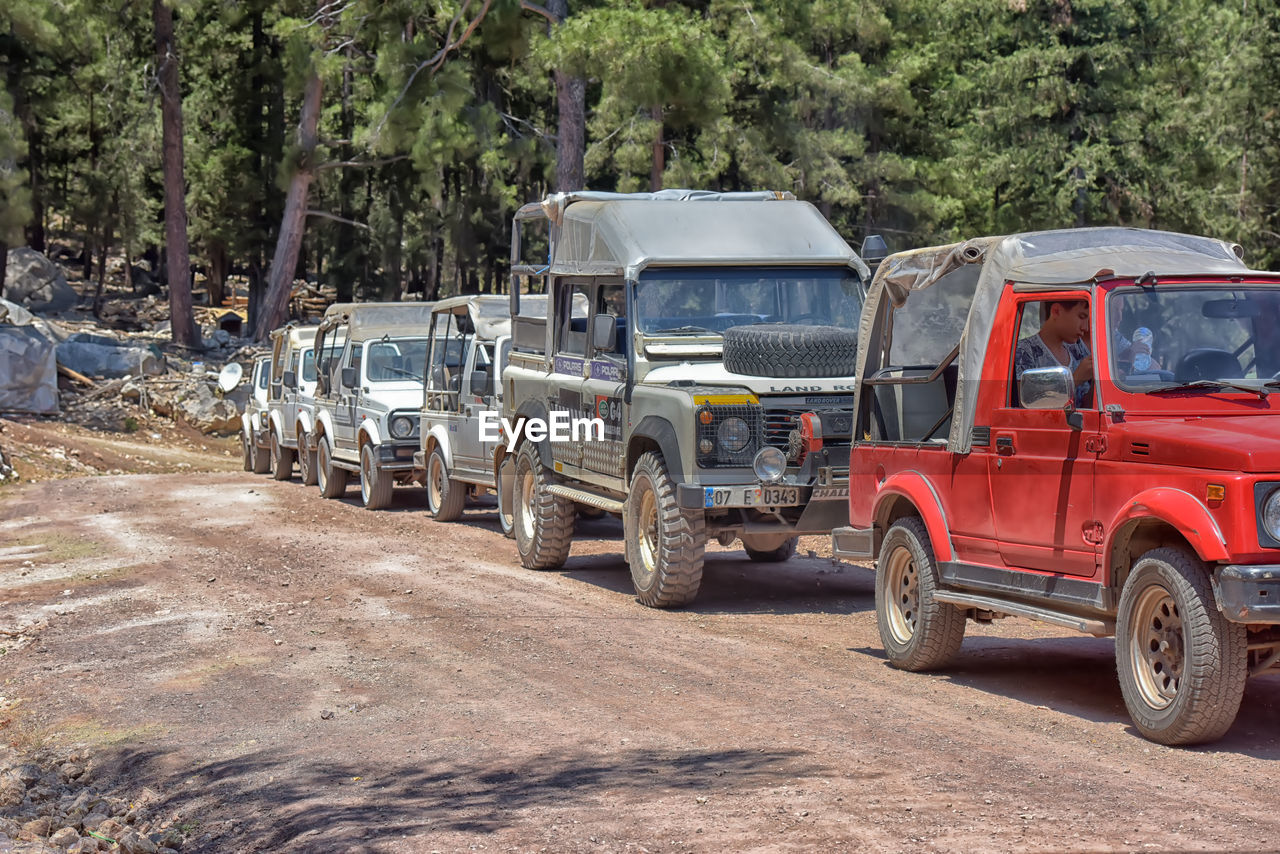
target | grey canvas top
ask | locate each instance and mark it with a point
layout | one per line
(1035, 261)
(492, 312)
(368, 320)
(617, 234)
(298, 335)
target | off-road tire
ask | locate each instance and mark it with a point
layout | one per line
(917, 631)
(446, 497)
(786, 350)
(331, 479)
(306, 461)
(246, 446)
(543, 522)
(281, 458)
(505, 487)
(375, 484)
(665, 542)
(259, 457)
(1182, 664)
(780, 554)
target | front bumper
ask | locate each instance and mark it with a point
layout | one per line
(823, 505)
(1249, 594)
(396, 456)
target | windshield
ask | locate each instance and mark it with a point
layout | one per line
(1168, 336)
(264, 374)
(398, 360)
(701, 301)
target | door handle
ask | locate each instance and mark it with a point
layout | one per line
(1004, 446)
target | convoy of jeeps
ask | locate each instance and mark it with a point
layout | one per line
(1071, 426)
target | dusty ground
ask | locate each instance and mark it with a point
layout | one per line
(295, 674)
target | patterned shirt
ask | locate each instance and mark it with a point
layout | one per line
(1034, 353)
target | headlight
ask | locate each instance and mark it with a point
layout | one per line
(401, 427)
(733, 434)
(1271, 515)
(770, 464)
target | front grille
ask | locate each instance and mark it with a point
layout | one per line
(781, 422)
(719, 456)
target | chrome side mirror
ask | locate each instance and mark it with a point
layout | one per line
(1047, 388)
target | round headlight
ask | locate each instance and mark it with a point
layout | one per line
(401, 427)
(1271, 515)
(733, 434)
(770, 464)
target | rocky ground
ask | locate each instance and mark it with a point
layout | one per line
(209, 660)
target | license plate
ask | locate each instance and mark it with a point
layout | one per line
(780, 495)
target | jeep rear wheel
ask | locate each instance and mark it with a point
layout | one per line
(446, 497)
(1182, 664)
(665, 542)
(375, 484)
(281, 459)
(544, 522)
(306, 461)
(763, 548)
(505, 487)
(258, 457)
(332, 480)
(918, 632)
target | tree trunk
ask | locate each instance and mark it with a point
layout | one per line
(571, 102)
(4, 262)
(280, 277)
(181, 318)
(659, 153)
(218, 264)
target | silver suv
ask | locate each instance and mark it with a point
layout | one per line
(369, 362)
(290, 400)
(710, 339)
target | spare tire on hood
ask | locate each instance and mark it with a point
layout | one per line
(786, 350)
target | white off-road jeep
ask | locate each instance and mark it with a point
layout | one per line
(254, 435)
(290, 400)
(708, 341)
(369, 363)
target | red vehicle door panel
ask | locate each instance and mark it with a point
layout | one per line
(1042, 487)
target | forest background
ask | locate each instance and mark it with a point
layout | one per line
(382, 146)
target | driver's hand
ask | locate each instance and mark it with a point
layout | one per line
(1084, 371)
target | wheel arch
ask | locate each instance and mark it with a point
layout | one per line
(655, 433)
(910, 494)
(367, 434)
(1162, 516)
(438, 435)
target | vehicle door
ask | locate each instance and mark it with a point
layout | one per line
(603, 387)
(289, 400)
(1042, 469)
(570, 364)
(445, 362)
(477, 385)
(348, 398)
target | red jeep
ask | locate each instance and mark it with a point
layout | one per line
(1079, 427)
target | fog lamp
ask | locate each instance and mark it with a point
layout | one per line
(770, 464)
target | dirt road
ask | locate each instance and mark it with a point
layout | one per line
(295, 674)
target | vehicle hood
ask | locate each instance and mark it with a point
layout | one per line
(1246, 443)
(714, 374)
(393, 398)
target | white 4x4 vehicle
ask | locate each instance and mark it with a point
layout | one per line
(254, 439)
(369, 361)
(290, 400)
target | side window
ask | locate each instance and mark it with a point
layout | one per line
(612, 300)
(571, 314)
(1055, 333)
(308, 373)
(354, 357)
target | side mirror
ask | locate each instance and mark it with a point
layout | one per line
(604, 332)
(481, 385)
(1047, 388)
(349, 377)
(290, 379)
(874, 250)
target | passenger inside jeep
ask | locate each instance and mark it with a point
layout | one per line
(1059, 339)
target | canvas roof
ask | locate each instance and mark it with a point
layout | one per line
(368, 320)
(1035, 261)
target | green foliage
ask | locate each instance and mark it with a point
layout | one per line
(15, 197)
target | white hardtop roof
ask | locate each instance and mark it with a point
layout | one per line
(620, 234)
(1034, 261)
(366, 320)
(298, 335)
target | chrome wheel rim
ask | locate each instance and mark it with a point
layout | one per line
(902, 595)
(1157, 649)
(647, 531)
(435, 488)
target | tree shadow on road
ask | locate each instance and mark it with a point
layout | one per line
(267, 801)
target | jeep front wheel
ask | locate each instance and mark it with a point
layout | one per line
(258, 457)
(544, 522)
(917, 631)
(446, 497)
(247, 447)
(306, 461)
(506, 495)
(665, 542)
(332, 480)
(1182, 664)
(375, 484)
(281, 458)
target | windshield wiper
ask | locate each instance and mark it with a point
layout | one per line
(684, 329)
(1260, 391)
